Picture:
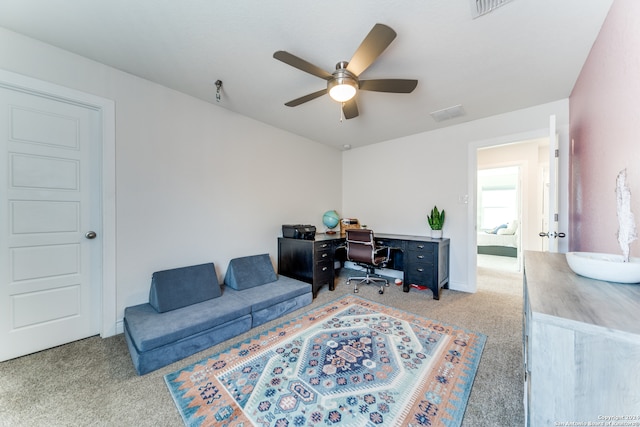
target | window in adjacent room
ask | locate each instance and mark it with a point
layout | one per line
(497, 196)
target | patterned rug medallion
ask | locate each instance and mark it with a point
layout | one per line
(352, 362)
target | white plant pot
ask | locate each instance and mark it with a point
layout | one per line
(436, 234)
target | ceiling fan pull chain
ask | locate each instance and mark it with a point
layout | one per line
(341, 112)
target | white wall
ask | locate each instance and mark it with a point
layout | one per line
(391, 186)
(195, 183)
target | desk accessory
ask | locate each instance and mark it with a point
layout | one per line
(436, 221)
(348, 223)
(299, 231)
(330, 219)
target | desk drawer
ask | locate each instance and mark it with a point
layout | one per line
(323, 246)
(414, 257)
(322, 251)
(323, 255)
(324, 268)
(323, 274)
(421, 247)
(384, 242)
(420, 274)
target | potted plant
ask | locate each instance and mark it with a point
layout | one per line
(436, 221)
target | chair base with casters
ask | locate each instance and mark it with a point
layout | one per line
(362, 249)
(370, 278)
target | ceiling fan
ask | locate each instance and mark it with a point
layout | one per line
(344, 82)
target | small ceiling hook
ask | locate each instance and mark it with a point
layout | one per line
(218, 90)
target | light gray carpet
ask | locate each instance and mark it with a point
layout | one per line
(92, 381)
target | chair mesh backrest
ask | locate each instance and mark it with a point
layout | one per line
(360, 245)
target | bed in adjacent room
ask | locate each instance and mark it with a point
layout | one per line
(501, 240)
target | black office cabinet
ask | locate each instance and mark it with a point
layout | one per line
(308, 260)
(427, 264)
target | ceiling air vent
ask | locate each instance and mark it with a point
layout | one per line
(482, 7)
(448, 113)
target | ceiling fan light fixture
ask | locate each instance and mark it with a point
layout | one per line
(342, 89)
(344, 85)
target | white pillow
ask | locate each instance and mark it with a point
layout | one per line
(511, 228)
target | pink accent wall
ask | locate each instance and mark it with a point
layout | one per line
(605, 132)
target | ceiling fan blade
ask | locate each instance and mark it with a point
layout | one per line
(350, 109)
(389, 85)
(306, 98)
(378, 39)
(301, 64)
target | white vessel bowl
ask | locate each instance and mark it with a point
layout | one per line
(608, 267)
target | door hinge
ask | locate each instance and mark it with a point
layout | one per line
(557, 154)
(555, 217)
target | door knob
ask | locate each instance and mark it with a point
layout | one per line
(90, 235)
(555, 234)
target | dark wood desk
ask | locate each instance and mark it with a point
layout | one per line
(423, 260)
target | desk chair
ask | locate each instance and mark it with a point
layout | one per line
(361, 249)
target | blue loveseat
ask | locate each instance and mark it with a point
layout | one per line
(189, 311)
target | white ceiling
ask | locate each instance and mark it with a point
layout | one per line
(524, 53)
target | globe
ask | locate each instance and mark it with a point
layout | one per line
(330, 219)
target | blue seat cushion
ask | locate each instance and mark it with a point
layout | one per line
(150, 329)
(180, 287)
(284, 289)
(250, 271)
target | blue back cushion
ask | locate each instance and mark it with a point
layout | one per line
(180, 287)
(250, 271)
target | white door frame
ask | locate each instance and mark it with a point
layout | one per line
(472, 162)
(106, 108)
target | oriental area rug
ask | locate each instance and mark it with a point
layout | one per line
(351, 362)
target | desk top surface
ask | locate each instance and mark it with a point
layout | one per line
(320, 237)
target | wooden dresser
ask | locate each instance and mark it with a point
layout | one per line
(581, 346)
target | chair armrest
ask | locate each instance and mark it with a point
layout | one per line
(382, 249)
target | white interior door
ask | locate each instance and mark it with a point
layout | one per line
(50, 272)
(550, 232)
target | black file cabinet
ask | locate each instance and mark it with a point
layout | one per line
(311, 261)
(423, 260)
(427, 264)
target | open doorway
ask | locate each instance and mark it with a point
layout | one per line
(510, 195)
(499, 217)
